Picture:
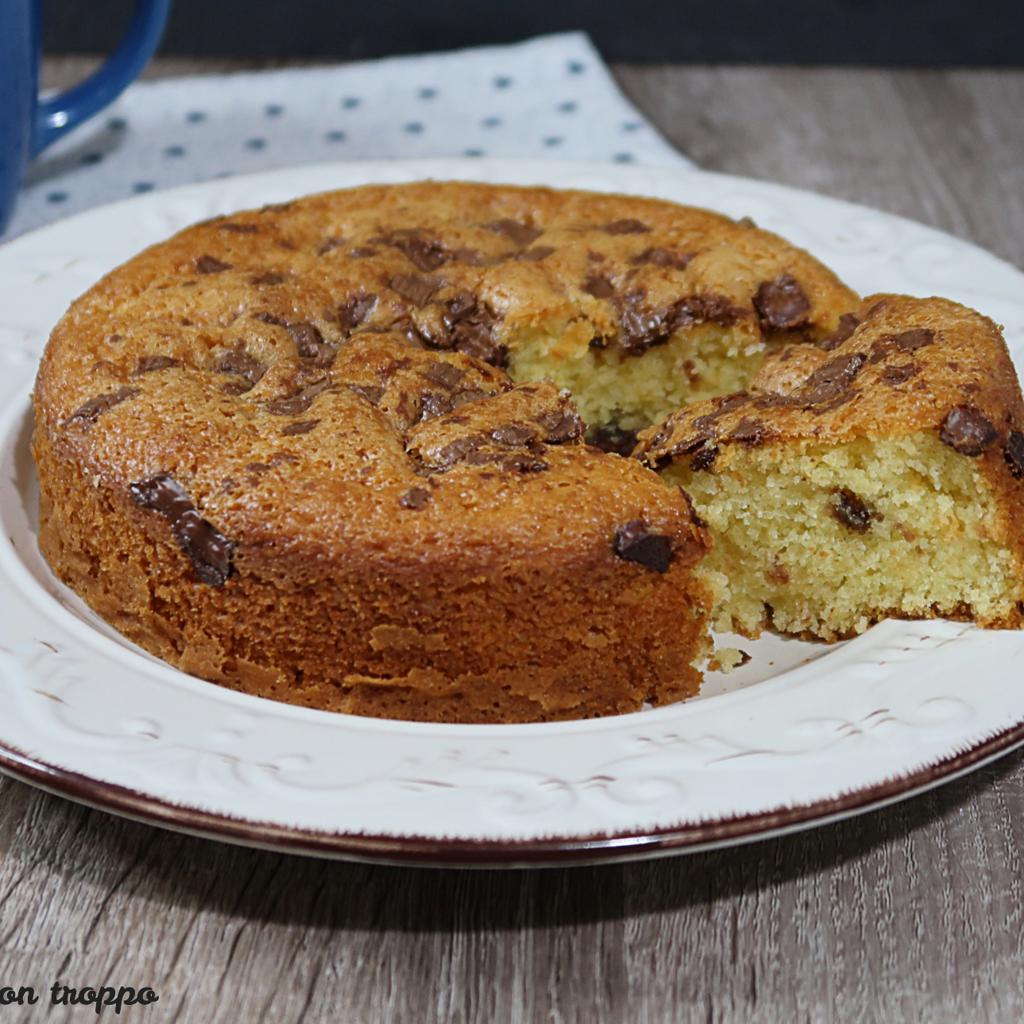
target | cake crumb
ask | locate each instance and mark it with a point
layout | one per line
(728, 659)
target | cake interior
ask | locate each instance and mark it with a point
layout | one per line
(828, 539)
(614, 389)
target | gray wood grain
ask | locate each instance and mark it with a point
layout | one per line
(913, 913)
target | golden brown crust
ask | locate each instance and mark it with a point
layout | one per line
(280, 449)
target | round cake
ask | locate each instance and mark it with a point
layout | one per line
(360, 451)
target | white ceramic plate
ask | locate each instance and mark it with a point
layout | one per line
(802, 734)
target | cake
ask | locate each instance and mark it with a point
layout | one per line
(877, 474)
(326, 452)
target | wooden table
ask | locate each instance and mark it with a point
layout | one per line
(915, 913)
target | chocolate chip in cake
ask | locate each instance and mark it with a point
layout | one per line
(626, 226)
(852, 511)
(209, 551)
(663, 258)
(329, 245)
(210, 265)
(967, 430)
(417, 288)
(561, 425)
(445, 374)
(520, 234)
(87, 413)
(269, 277)
(634, 542)
(302, 427)
(750, 432)
(831, 381)
(848, 323)
(512, 434)
(704, 458)
(362, 252)
(907, 341)
(373, 393)
(152, 364)
(469, 327)
(354, 311)
(415, 498)
(536, 254)
(894, 376)
(241, 363)
(782, 304)
(599, 286)
(311, 345)
(1014, 453)
(299, 402)
(426, 254)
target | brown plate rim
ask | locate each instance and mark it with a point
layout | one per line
(549, 851)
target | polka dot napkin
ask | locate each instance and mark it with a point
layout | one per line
(548, 97)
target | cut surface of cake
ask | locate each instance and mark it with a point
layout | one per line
(320, 452)
(879, 474)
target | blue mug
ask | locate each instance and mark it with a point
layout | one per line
(27, 124)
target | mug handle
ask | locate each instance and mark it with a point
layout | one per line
(61, 113)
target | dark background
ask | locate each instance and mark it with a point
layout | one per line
(876, 32)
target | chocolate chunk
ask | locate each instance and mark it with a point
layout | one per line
(746, 222)
(635, 543)
(911, 341)
(241, 363)
(298, 402)
(362, 252)
(521, 463)
(536, 254)
(1014, 453)
(311, 345)
(704, 308)
(426, 254)
(469, 327)
(640, 327)
(781, 303)
(520, 234)
(301, 427)
(210, 265)
(415, 498)
(329, 245)
(831, 380)
(613, 439)
(373, 393)
(416, 287)
(908, 341)
(87, 413)
(663, 258)
(848, 323)
(853, 512)
(433, 404)
(599, 286)
(471, 257)
(445, 374)
(967, 430)
(704, 458)
(269, 277)
(894, 376)
(750, 432)
(151, 364)
(626, 226)
(511, 435)
(561, 425)
(209, 551)
(354, 310)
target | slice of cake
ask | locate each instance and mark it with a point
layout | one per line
(877, 475)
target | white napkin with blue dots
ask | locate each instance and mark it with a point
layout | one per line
(548, 97)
